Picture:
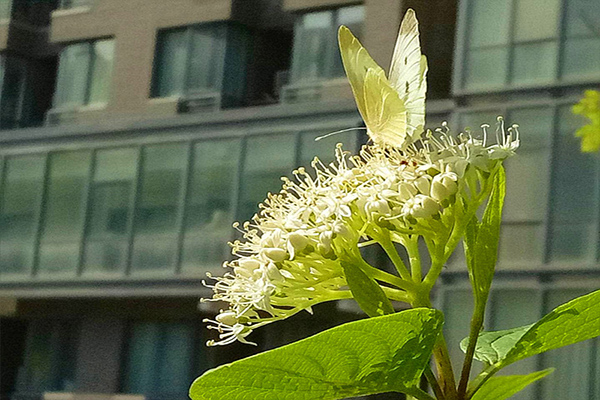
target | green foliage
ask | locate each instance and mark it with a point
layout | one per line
(572, 322)
(375, 355)
(502, 387)
(481, 242)
(589, 107)
(366, 291)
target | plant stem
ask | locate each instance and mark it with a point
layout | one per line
(476, 324)
(435, 386)
(419, 394)
(441, 358)
(412, 247)
(388, 246)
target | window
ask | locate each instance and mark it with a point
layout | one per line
(159, 207)
(64, 212)
(316, 55)
(5, 9)
(506, 46)
(268, 158)
(21, 198)
(189, 60)
(50, 358)
(209, 211)
(84, 74)
(161, 360)
(109, 211)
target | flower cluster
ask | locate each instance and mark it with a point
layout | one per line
(290, 257)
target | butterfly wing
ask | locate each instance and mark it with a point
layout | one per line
(408, 73)
(379, 104)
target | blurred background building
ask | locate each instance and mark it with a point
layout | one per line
(135, 132)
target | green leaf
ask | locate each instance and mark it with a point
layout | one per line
(373, 355)
(494, 346)
(366, 291)
(502, 387)
(481, 242)
(570, 323)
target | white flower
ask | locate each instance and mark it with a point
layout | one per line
(289, 258)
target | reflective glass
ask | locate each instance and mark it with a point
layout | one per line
(583, 18)
(159, 360)
(313, 46)
(581, 57)
(21, 196)
(521, 245)
(205, 60)
(171, 62)
(574, 192)
(72, 81)
(268, 158)
(528, 15)
(486, 67)
(109, 214)
(5, 9)
(101, 72)
(158, 206)
(208, 215)
(489, 23)
(64, 212)
(571, 379)
(534, 62)
(458, 307)
(509, 309)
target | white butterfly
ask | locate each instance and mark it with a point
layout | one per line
(393, 109)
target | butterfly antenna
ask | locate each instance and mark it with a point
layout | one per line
(336, 132)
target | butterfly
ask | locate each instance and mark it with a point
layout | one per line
(393, 108)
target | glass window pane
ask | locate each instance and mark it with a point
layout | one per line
(324, 148)
(534, 62)
(489, 22)
(209, 205)
(582, 57)
(583, 18)
(268, 158)
(21, 198)
(486, 67)
(521, 245)
(313, 46)
(158, 206)
(159, 360)
(72, 81)
(458, 307)
(512, 308)
(207, 52)
(171, 63)
(5, 9)
(142, 358)
(527, 182)
(528, 15)
(64, 212)
(101, 81)
(571, 379)
(106, 241)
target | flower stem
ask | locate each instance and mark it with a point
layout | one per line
(386, 243)
(476, 324)
(412, 247)
(435, 386)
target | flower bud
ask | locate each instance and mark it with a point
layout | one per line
(422, 183)
(407, 190)
(227, 318)
(275, 254)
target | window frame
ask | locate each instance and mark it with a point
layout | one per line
(91, 56)
(558, 78)
(220, 36)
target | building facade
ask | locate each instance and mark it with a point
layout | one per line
(134, 133)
